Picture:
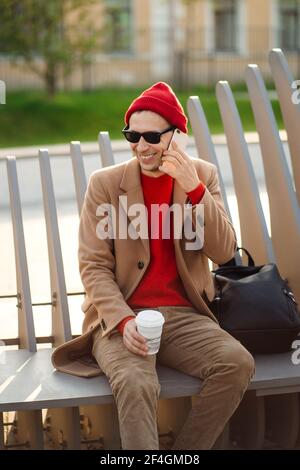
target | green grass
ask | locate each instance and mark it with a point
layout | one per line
(30, 118)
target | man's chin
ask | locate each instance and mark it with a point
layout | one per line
(150, 167)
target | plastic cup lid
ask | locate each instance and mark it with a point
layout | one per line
(149, 318)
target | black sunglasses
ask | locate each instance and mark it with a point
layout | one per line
(150, 137)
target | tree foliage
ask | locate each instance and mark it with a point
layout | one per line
(51, 36)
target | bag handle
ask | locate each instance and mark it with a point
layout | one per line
(232, 262)
(250, 259)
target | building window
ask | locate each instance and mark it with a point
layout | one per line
(118, 26)
(225, 25)
(290, 24)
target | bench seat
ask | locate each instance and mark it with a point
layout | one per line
(28, 381)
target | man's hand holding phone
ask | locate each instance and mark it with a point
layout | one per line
(177, 164)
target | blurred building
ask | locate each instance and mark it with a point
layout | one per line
(185, 42)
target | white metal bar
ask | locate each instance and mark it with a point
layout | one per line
(290, 108)
(204, 145)
(254, 230)
(25, 314)
(106, 153)
(284, 209)
(79, 173)
(60, 310)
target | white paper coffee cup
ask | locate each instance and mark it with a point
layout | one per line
(150, 324)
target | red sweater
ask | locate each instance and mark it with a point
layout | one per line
(161, 284)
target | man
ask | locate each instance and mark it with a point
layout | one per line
(125, 274)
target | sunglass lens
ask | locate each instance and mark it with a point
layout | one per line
(152, 137)
(132, 137)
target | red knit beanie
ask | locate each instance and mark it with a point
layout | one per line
(161, 99)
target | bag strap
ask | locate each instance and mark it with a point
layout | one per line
(219, 295)
(232, 262)
(250, 259)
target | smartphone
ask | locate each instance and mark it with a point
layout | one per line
(180, 138)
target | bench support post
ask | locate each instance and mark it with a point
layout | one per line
(1, 432)
(282, 419)
(223, 441)
(247, 425)
(100, 427)
(30, 428)
(64, 428)
(171, 416)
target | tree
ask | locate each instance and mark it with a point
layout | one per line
(51, 36)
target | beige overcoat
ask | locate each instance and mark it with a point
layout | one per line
(112, 268)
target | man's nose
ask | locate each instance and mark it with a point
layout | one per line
(142, 145)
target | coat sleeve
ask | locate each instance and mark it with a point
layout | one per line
(219, 235)
(96, 257)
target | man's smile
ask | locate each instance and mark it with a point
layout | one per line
(148, 157)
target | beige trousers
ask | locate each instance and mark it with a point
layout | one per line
(191, 343)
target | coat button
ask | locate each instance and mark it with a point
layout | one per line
(140, 264)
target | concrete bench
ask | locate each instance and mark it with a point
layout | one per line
(54, 410)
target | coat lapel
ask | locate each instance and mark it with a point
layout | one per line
(180, 198)
(133, 194)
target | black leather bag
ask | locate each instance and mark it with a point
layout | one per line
(256, 306)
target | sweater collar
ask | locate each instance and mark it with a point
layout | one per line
(131, 184)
